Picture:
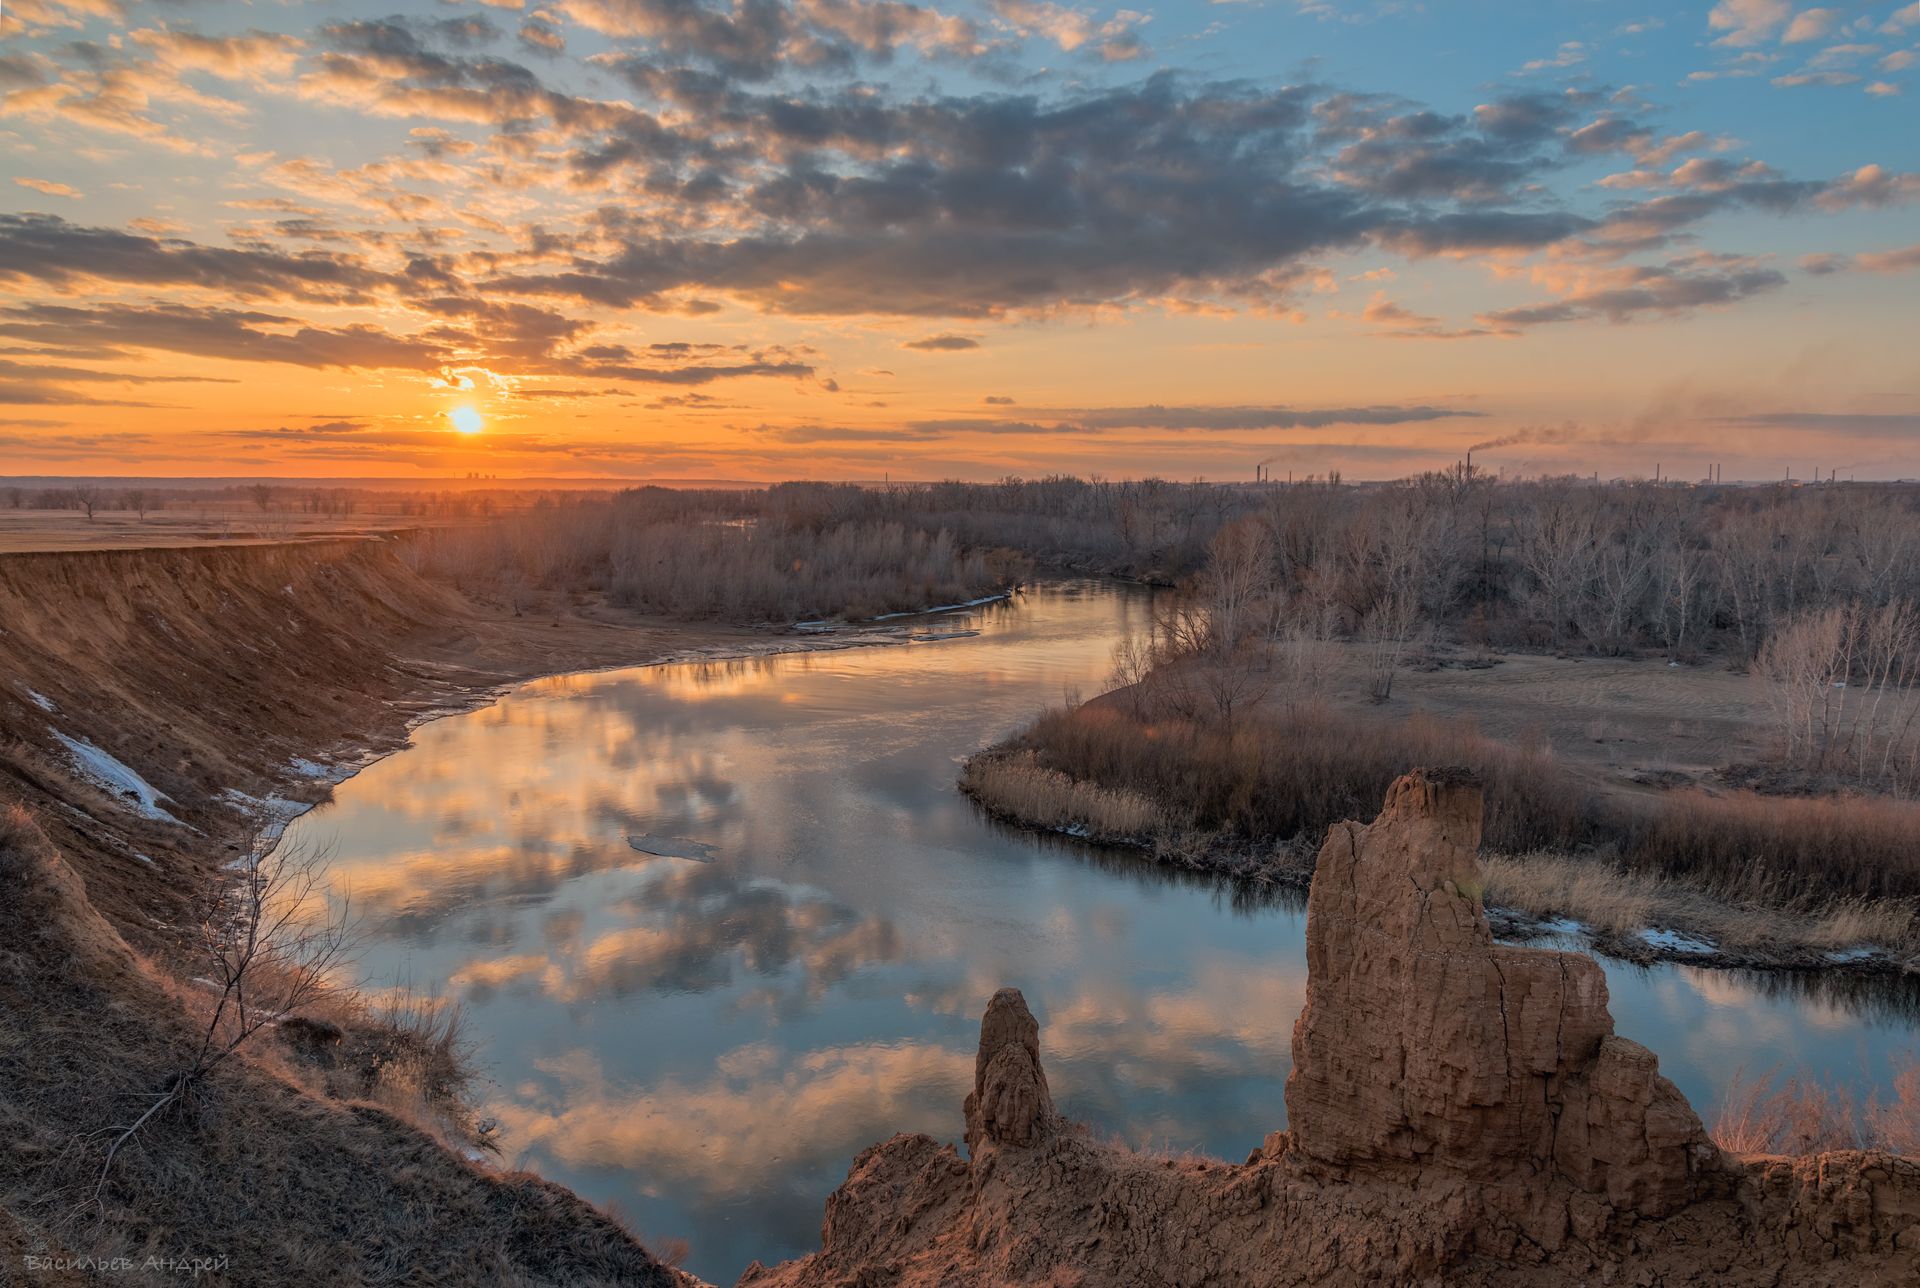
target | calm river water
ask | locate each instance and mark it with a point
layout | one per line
(707, 1044)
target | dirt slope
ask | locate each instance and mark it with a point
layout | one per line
(218, 675)
(157, 707)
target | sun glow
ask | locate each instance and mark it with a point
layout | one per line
(466, 420)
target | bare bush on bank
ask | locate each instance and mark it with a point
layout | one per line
(1801, 1115)
(269, 957)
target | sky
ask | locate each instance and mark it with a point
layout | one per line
(855, 239)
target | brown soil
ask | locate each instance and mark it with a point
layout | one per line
(1623, 720)
(215, 523)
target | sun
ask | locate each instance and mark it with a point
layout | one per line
(466, 420)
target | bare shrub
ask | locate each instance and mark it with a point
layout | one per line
(269, 957)
(1800, 1116)
(1894, 1125)
(1843, 684)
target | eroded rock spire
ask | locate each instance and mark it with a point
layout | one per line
(1424, 1044)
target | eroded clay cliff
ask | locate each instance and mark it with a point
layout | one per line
(1460, 1112)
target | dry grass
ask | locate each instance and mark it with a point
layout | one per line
(1847, 923)
(1620, 902)
(1781, 850)
(1597, 894)
(1747, 870)
(1804, 1116)
(1277, 775)
(1015, 787)
(1895, 1124)
(1800, 1116)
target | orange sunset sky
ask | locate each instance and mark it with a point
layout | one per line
(759, 239)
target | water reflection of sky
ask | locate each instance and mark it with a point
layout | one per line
(708, 1044)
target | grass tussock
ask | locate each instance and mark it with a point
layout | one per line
(1016, 788)
(1802, 1115)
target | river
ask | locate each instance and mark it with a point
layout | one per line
(706, 1044)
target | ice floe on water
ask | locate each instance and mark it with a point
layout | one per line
(116, 777)
(944, 608)
(674, 847)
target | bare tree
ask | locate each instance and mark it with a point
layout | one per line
(139, 500)
(1235, 588)
(1555, 545)
(1680, 576)
(273, 942)
(86, 496)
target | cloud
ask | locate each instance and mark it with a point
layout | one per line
(1114, 40)
(234, 334)
(1904, 259)
(46, 248)
(946, 343)
(1747, 22)
(50, 188)
(756, 39)
(1869, 424)
(1810, 24)
(1623, 294)
(984, 205)
(252, 55)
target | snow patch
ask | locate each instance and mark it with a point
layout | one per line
(1674, 942)
(1563, 926)
(116, 777)
(1859, 954)
(309, 768)
(272, 813)
(42, 701)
